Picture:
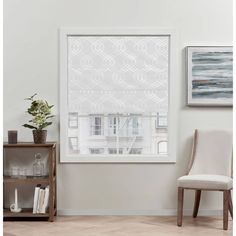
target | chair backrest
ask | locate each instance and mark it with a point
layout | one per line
(212, 153)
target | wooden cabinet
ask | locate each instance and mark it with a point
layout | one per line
(20, 151)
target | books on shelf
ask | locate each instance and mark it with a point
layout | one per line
(41, 197)
(36, 196)
(46, 199)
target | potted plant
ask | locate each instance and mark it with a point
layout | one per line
(40, 112)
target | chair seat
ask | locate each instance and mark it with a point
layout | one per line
(214, 182)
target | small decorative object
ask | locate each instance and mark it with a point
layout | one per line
(22, 173)
(14, 207)
(38, 166)
(210, 76)
(14, 172)
(12, 136)
(41, 112)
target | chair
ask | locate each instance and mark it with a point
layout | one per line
(210, 169)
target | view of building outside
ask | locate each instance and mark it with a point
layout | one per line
(121, 134)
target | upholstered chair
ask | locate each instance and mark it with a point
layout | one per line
(210, 169)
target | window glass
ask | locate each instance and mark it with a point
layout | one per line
(117, 95)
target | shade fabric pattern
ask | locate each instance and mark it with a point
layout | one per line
(118, 74)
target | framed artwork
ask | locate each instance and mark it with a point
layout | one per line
(210, 76)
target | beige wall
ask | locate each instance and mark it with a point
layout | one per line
(31, 53)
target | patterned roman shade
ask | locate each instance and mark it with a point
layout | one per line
(118, 74)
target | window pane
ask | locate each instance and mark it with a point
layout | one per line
(162, 120)
(96, 150)
(115, 150)
(123, 134)
(162, 147)
(73, 120)
(118, 95)
(96, 125)
(73, 144)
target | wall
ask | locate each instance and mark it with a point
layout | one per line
(31, 65)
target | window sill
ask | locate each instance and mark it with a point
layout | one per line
(117, 159)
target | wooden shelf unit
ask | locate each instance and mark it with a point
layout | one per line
(46, 180)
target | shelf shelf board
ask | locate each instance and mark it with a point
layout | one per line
(26, 212)
(28, 179)
(28, 145)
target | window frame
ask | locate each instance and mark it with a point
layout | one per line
(172, 117)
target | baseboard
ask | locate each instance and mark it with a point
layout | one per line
(161, 212)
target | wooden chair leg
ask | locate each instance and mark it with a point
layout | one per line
(230, 205)
(196, 203)
(180, 206)
(225, 209)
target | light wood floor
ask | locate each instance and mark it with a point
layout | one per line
(118, 226)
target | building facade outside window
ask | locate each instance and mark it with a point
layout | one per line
(96, 125)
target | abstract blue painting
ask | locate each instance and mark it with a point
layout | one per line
(210, 76)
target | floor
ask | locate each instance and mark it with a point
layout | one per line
(118, 226)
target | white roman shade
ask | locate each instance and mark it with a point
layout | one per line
(117, 74)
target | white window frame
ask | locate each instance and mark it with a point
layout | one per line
(172, 117)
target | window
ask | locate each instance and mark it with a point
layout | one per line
(114, 124)
(96, 125)
(96, 150)
(73, 144)
(115, 95)
(115, 151)
(135, 122)
(162, 147)
(161, 120)
(136, 151)
(73, 120)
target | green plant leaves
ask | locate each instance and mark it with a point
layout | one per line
(31, 97)
(45, 125)
(29, 126)
(40, 111)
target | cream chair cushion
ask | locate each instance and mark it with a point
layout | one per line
(214, 182)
